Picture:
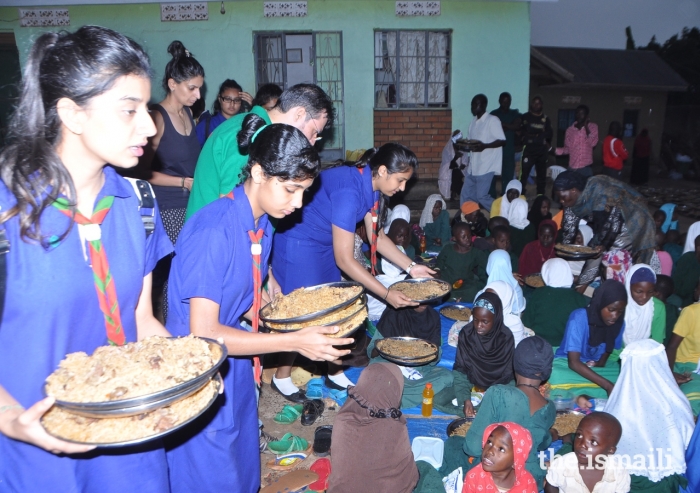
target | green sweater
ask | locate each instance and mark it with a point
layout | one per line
(470, 267)
(685, 277)
(220, 163)
(548, 310)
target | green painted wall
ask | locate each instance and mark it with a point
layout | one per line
(490, 41)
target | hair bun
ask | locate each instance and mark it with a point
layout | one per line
(177, 49)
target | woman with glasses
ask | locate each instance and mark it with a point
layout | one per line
(229, 102)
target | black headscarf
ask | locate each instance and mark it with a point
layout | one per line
(486, 360)
(535, 216)
(533, 358)
(569, 180)
(407, 322)
(608, 293)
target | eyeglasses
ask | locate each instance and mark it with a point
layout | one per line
(318, 134)
(228, 100)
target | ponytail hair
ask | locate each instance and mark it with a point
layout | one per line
(78, 66)
(281, 150)
(396, 157)
(182, 66)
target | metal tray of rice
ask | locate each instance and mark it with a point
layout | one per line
(575, 252)
(424, 290)
(135, 375)
(534, 280)
(304, 304)
(130, 430)
(459, 313)
(407, 351)
(338, 317)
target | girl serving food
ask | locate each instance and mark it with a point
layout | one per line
(75, 225)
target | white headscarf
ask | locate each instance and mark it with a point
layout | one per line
(637, 317)
(517, 215)
(512, 320)
(693, 232)
(556, 273)
(399, 212)
(586, 232)
(652, 410)
(427, 216)
(505, 203)
(499, 268)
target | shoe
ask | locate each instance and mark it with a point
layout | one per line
(287, 444)
(298, 397)
(331, 384)
(313, 409)
(288, 414)
(266, 438)
(322, 467)
(314, 388)
(322, 440)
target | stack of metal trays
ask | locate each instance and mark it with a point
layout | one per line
(407, 351)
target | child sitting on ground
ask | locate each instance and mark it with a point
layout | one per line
(501, 240)
(435, 221)
(659, 218)
(664, 257)
(502, 468)
(472, 215)
(399, 232)
(486, 244)
(461, 265)
(673, 244)
(686, 273)
(590, 462)
(521, 231)
(537, 252)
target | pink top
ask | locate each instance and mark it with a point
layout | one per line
(666, 262)
(579, 145)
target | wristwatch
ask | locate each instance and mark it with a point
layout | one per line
(408, 269)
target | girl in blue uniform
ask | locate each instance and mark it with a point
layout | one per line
(313, 247)
(82, 105)
(218, 270)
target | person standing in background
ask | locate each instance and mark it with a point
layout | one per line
(537, 139)
(228, 103)
(579, 141)
(486, 158)
(614, 152)
(640, 158)
(510, 122)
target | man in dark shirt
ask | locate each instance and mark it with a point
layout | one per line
(537, 139)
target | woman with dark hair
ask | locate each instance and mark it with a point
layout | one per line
(217, 278)
(175, 146)
(228, 102)
(313, 247)
(77, 246)
(267, 96)
(583, 361)
(539, 211)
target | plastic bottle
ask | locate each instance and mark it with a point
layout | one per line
(427, 407)
(423, 244)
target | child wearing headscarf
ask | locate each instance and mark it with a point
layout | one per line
(537, 252)
(502, 468)
(501, 205)
(435, 221)
(687, 270)
(507, 296)
(370, 448)
(422, 322)
(591, 336)
(484, 354)
(662, 417)
(645, 316)
(522, 404)
(499, 268)
(539, 211)
(583, 236)
(549, 307)
(521, 231)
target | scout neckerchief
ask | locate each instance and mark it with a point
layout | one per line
(256, 252)
(374, 211)
(104, 283)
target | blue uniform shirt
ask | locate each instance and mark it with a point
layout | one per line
(303, 247)
(52, 309)
(213, 261)
(576, 338)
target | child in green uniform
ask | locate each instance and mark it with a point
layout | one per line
(461, 265)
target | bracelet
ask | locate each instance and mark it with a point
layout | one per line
(387, 294)
(408, 269)
(183, 182)
(4, 409)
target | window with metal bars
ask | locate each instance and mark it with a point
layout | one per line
(411, 69)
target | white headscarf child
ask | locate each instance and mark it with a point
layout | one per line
(505, 203)
(399, 212)
(512, 320)
(587, 233)
(427, 216)
(517, 214)
(653, 412)
(499, 268)
(693, 232)
(556, 273)
(637, 317)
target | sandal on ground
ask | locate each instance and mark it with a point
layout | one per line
(322, 467)
(322, 440)
(314, 388)
(298, 397)
(288, 414)
(287, 444)
(339, 396)
(313, 409)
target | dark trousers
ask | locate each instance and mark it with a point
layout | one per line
(538, 158)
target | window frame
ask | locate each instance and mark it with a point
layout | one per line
(398, 105)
